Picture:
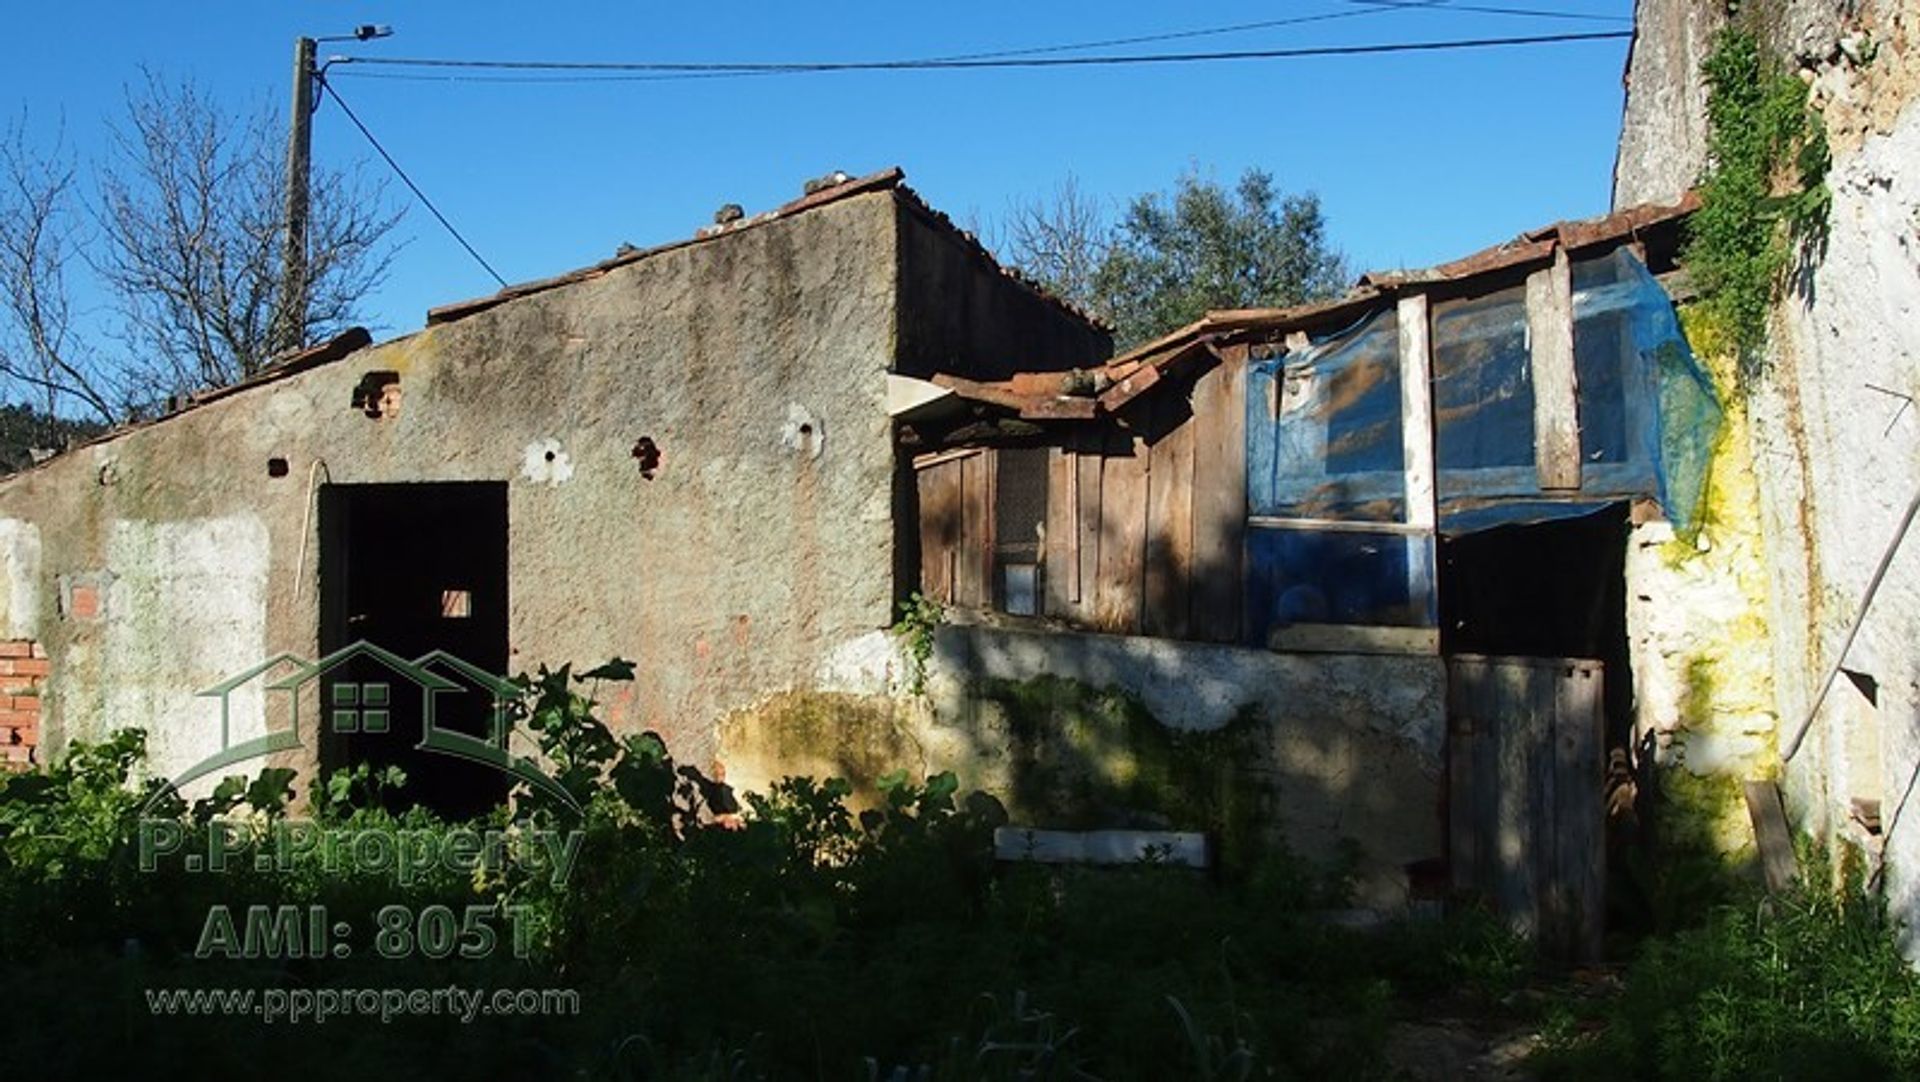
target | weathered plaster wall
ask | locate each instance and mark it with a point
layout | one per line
(729, 576)
(963, 315)
(1698, 623)
(1078, 730)
(1835, 438)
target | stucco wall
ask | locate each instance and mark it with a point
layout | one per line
(728, 576)
(1834, 439)
(963, 315)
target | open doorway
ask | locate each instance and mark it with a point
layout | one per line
(1554, 589)
(413, 569)
(1526, 610)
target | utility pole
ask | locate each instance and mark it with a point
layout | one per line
(291, 334)
(291, 329)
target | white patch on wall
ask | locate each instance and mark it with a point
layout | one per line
(803, 432)
(19, 579)
(869, 664)
(546, 463)
(187, 609)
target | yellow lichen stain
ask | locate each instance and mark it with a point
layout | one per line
(1728, 677)
(403, 354)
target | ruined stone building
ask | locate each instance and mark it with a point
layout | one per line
(1395, 570)
(680, 456)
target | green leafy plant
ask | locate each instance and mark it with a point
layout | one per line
(920, 617)
(1764, 199)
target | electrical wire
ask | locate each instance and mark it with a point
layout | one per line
(653, 69)
(405, 179)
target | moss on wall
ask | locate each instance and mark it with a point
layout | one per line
(821, 734)
(1082, 757)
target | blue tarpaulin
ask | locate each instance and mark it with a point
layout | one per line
(1324, 441)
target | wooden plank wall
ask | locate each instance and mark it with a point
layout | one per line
(1143, 525)
(956, 529)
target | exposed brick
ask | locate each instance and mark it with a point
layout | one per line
(26, 666)
(29, 703)
(83, 602)
(16, 648)
(25, 736)
(39, 650)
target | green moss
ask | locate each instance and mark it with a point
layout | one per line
(1085, 757)
(1696, 705)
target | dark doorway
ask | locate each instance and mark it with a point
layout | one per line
(1547, 589)
(412, 569)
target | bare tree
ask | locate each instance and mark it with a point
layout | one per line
(191, 212)
(1060, 240)
(43, 361)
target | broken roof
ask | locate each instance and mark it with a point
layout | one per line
(1054, 395)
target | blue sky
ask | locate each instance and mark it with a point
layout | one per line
(1416, 158)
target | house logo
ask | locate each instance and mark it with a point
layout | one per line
(358, 704)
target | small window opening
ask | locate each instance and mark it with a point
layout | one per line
(456, 604)
(277, 467)
(1019, 521)
(378, 394)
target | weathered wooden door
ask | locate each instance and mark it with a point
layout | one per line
(1525, 801)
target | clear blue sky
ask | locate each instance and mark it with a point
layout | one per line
(1417, 158)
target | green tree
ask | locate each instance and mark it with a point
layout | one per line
(1178, 254)
(1172, 256)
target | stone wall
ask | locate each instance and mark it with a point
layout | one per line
(1835, 440)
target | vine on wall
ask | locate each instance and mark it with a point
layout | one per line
(1764, 198)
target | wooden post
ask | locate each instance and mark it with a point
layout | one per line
(1416, 432)
(292, 330)
(1556, 410)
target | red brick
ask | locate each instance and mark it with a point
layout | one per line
(83, 602)
(26, 737)
(23, 703)
(26, 666)
(39, 650)
(16, 648)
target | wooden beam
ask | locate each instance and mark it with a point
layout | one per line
(1347, 639)
(1334, 525)
(1771, 834)
(1416, 409)
(1556, 410)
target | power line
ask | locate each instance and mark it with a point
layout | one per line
(1484, 9)
(1177, 35)
(656, 68)
(407, 180)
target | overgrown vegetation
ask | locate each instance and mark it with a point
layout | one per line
(811, 939)
(1806, 985)
(1764, 199)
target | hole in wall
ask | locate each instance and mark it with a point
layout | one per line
(378, 394)
(648, 454)
(277, 467)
